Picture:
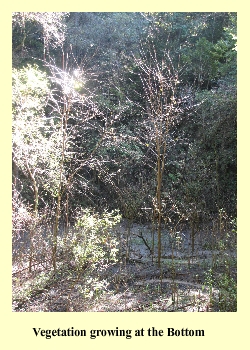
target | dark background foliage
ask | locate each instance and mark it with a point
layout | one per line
(201, 153)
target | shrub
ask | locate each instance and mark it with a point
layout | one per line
(92, 241)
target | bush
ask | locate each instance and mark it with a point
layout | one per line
(92, 241)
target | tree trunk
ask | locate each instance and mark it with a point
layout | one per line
(34, 223)
(55, 231)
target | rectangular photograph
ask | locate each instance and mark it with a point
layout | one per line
(124, 162)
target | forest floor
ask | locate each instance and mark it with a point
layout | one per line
(134, 284)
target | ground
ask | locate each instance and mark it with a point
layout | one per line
(135, 283)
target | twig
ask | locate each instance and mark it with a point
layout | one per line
(145, 242)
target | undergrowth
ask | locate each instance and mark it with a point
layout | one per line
(94, 274)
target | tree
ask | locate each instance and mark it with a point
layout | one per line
(33, 137)
(160, 80)
(35, 33)
(48, 114)
(75, 114)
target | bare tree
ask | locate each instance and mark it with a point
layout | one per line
(160, 80)
(74, 112)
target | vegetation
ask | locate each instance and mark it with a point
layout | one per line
(124, 161)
